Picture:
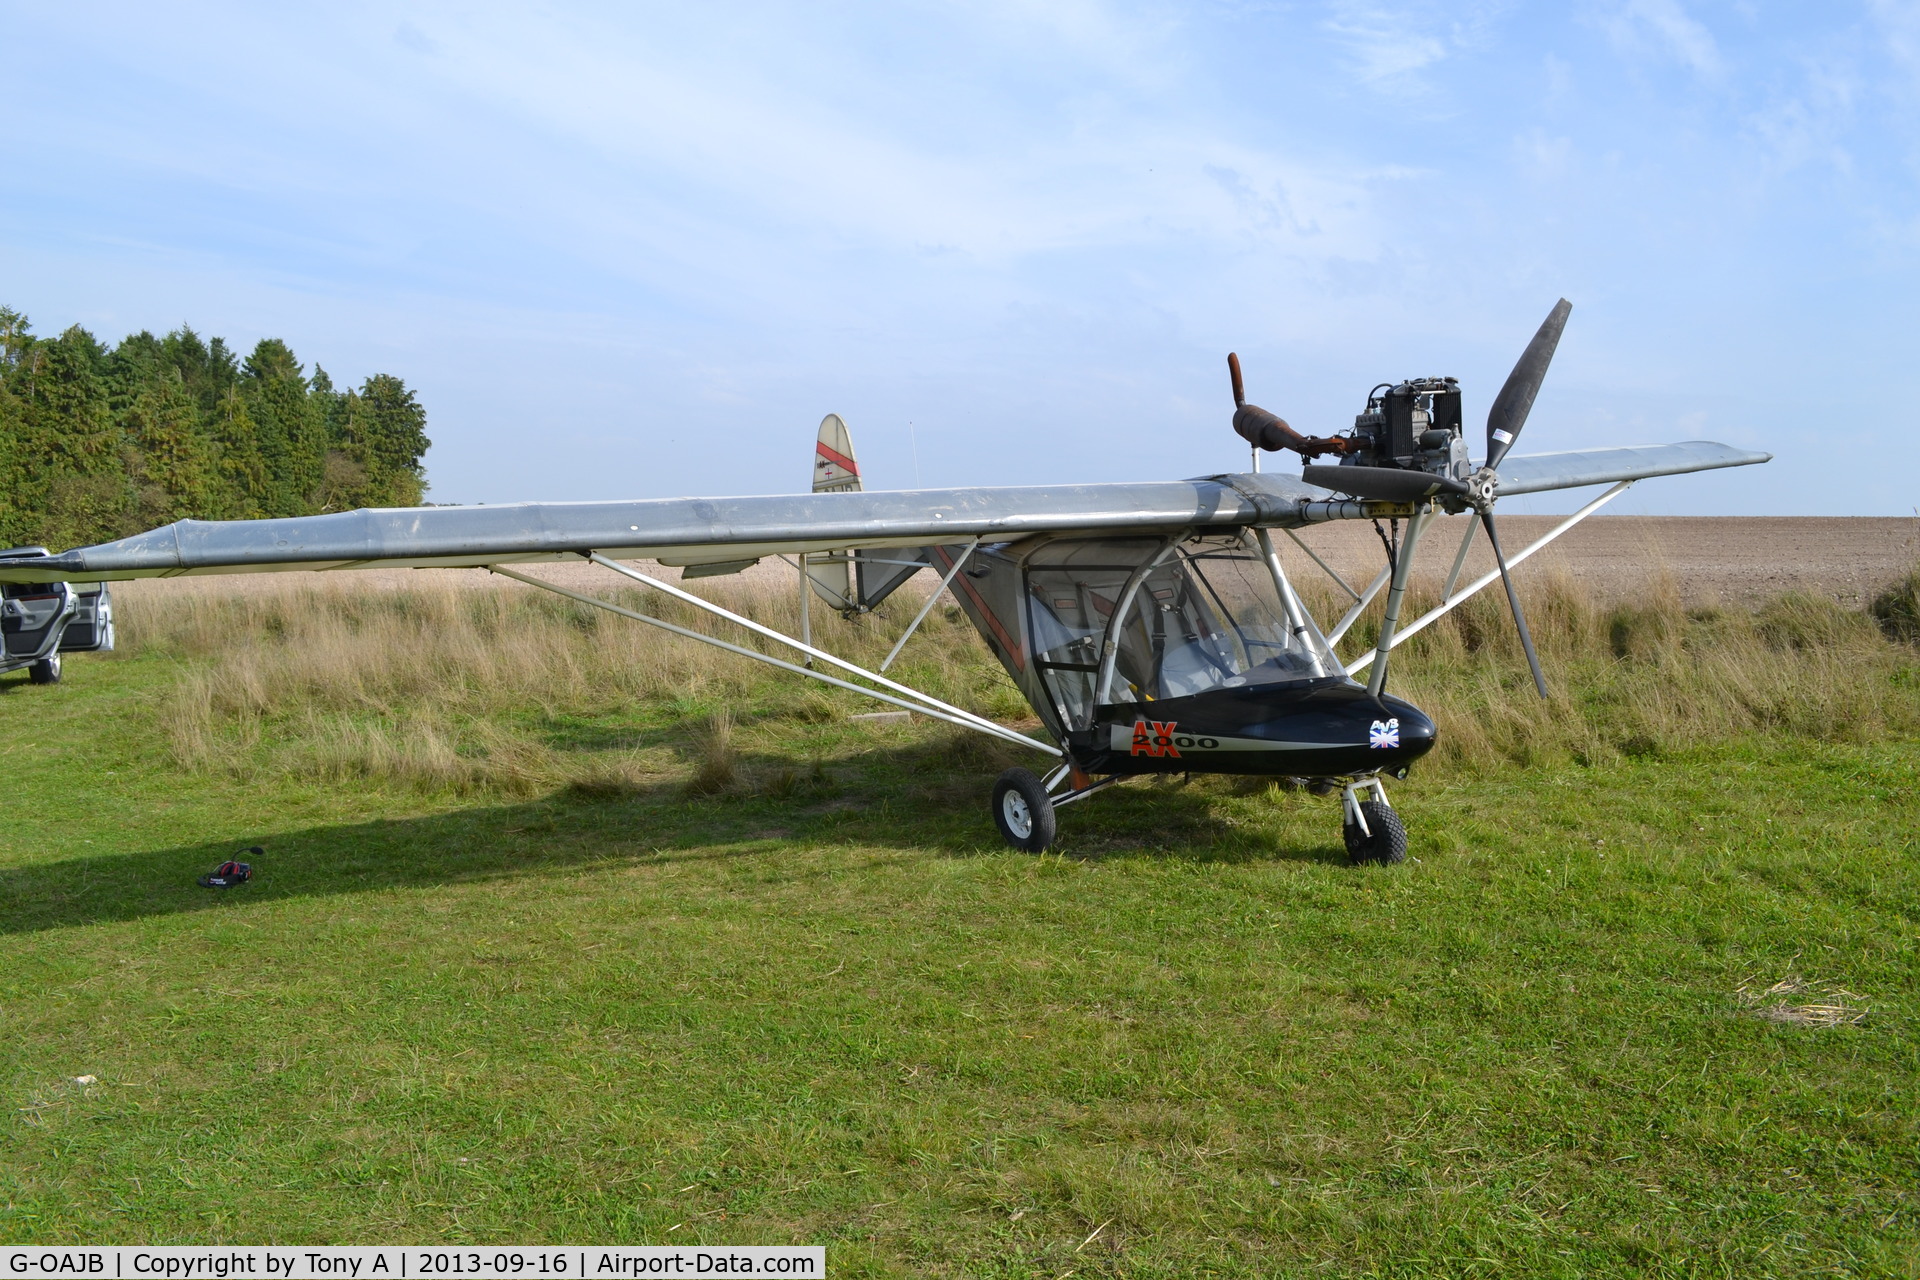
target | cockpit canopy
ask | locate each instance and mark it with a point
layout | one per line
(1197, 615)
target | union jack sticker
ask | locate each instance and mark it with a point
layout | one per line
(1384, 734)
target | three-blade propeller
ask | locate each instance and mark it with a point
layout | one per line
(1505, 420)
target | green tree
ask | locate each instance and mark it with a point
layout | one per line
(15, 338)
(99, 442)
(176, 475)
(388, 436)
(291, 426)
(242, 469)
(72, 468)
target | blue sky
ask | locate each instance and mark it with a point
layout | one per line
(630, 250)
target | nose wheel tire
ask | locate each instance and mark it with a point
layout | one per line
(1023, 811)
(1385, 837)
(45, 671)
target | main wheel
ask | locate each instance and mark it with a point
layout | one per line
(47, 670)
(1023, 811)
(1385, 839)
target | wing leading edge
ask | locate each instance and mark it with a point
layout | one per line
(681, 528)
(690, 530)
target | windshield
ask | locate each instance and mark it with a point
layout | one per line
(1206, 616)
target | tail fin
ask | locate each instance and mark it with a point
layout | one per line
(834, 471)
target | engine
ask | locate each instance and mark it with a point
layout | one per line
(1413, 425)
(1407, 426)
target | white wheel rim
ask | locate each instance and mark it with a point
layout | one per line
(1019, 817)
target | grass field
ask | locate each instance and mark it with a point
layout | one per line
(567, 934)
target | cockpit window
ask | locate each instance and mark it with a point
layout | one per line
(1207, 616)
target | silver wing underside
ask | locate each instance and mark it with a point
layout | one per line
(708, 530)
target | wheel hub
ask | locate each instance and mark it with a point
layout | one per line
(1019, 817)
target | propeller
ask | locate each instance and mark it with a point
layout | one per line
(1513, 603)
(1515, 401)
(1505, 420)
(1383, 484)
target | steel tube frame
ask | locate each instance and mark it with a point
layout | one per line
(1402, 572)
(1459, 560)
(1322, 563)
(927, 608)
(1110, 647)
(1350, 799)
(1298, 620)
(806, 602)
(1100, 784)
(1481, 583)
(687, 597)
(964, 720)
(1360, 603)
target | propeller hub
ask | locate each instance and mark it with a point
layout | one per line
(1482, 487)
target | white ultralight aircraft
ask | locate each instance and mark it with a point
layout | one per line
(1152, 626)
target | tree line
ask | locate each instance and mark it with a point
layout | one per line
(98, 442)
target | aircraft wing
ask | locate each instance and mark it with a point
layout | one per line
(678, 530)
(712, 530)
(1537, 472)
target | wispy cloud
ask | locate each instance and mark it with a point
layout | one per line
(1664, 26)
(1385, 44)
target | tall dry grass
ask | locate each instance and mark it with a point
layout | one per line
(1650, 676)
(447, 686)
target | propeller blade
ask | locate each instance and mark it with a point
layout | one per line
(1513, 602)
(1385, 484)
(1515, 401)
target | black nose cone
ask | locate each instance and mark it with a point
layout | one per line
(1399, 731)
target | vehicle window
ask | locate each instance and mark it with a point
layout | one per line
(1208, 617)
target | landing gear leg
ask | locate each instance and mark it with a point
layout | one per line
(1373, 831)
(1023, 805)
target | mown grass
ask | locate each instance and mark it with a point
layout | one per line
(650, 947)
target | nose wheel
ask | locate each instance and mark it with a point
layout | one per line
(1372, 830)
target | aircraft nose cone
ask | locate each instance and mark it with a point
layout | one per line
(1416, 726)
(1396, 731)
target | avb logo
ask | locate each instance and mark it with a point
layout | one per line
(1384, 734)
(1161, 738)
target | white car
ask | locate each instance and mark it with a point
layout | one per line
(41, 621)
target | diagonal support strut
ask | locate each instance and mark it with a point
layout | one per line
(965, 720)
(1486, 580)
(948, 711)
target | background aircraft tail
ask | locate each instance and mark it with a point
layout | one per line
(834, 471)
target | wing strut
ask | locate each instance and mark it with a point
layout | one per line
(927, 608)
(1487, 580)
(1360, 603)
(1402, 571)
(1351, 593)
(925, 706)
(946, 711)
